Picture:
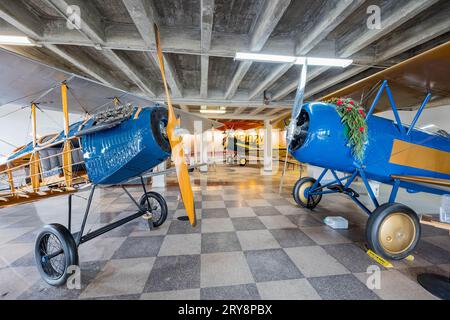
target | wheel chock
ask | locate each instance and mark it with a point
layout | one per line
(410, 258)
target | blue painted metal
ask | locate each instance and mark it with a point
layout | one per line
(361, 205)
(339, 181)
(377, 98)
(351, 179)
(124, 151)
(336, 177)
(326, 147)
(418, 113)
(395, 111)
(316, 183)
(117, 154)
(369, 188)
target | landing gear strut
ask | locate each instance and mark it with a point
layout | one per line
(56, 248)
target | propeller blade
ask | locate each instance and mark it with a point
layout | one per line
(176, 143)
(296, 109)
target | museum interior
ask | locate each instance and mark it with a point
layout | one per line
(224, 150)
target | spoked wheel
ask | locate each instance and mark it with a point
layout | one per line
(393, 231)
(242, 162)
(301, 193)
(55, 250)
(158, 207)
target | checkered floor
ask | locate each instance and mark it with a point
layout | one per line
(250, 243)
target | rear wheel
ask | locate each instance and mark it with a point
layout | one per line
(55, 251)
(301, 193)
(157, 208)
(393, 231)
(242, 162)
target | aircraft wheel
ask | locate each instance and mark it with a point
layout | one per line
(158, 207)
(393, 231)
(55, 250)
(300, 193)
(242, 162)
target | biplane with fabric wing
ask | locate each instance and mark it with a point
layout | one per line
(108, 147)
(323, 134)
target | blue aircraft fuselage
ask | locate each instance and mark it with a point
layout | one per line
(119, 151)
(127, 150)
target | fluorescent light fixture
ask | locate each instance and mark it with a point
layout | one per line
(326, 62)
(213, 111)
(264, 57)
(292, 59)
(16, 40)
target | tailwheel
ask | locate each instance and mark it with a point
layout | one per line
(55, 251)
(156, 206)
(393, 231)
(301, 193)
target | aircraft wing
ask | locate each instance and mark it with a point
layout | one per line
(409, 80)
(23, 81)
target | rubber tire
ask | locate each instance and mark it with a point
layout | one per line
(69, 247)
(243, 165)
(297, 199)
(374, 222)
(162, 203)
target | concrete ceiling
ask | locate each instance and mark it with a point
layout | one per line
(115, 45)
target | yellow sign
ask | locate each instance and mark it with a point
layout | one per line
(379, 259)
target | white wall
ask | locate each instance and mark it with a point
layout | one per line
(438, 116)
(15, 128)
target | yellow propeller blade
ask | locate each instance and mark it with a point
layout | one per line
(176, 143)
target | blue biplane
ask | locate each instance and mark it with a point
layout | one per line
(111, 146)
(396, 154)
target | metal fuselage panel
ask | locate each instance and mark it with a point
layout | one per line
(124, 151)
(326, 146)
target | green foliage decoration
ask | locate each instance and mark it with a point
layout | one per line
(353, 117)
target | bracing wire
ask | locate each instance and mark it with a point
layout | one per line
(12, 112)
(77, 100)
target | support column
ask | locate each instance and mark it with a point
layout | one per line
(201, 145)
(268, 161)
(204, 151)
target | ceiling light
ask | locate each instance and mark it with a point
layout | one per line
(213, 111)
(325, 62)
(264, 57)
(16, 40)
(292, 59)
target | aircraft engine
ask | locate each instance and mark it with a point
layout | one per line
(319, 138)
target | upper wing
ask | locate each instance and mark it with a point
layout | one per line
(409, 80)
(23, 81)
